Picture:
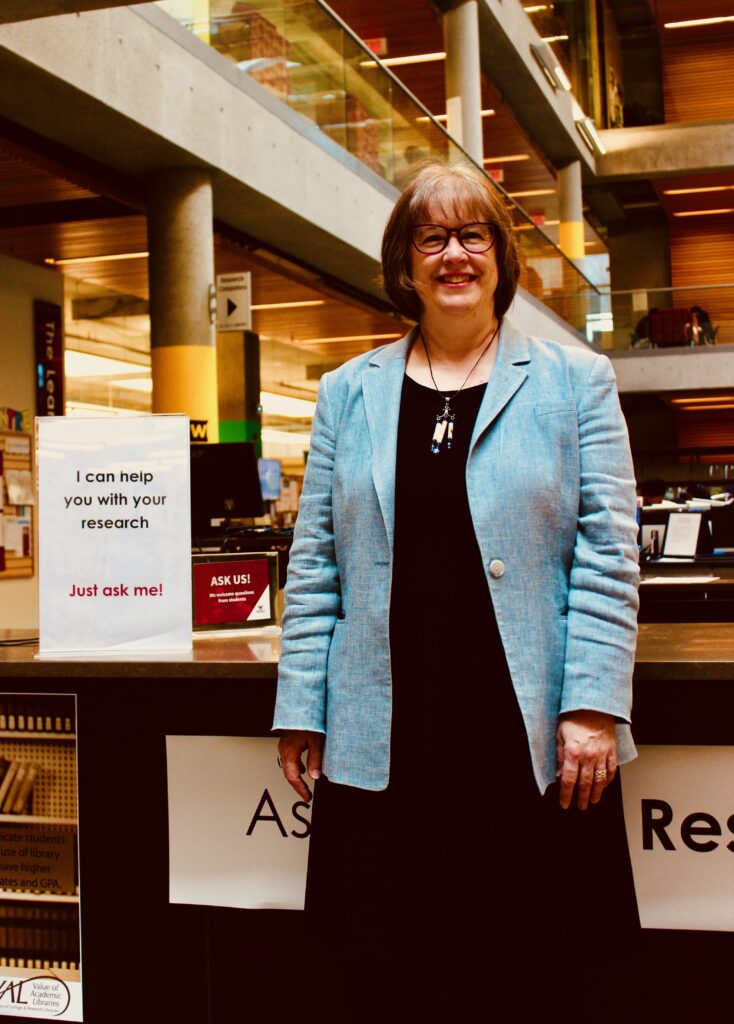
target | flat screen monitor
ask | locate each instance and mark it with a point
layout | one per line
(269, 478)
(225, 484)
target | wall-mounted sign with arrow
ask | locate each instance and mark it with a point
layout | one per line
(233, 302)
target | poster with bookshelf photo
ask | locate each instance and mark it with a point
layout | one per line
(40, 969)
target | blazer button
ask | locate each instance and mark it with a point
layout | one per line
(496, 568)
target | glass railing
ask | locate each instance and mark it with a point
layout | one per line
(303, 54)
(306, 56)
(699, 315)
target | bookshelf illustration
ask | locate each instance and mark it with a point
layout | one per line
(39, 876)
(16, 517)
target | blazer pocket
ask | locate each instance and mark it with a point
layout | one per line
(555, 408)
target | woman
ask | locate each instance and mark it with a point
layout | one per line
(459, 635)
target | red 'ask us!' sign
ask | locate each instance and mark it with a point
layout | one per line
(228, 592)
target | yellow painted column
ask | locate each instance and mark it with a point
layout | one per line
(181, 273)
(571, 209)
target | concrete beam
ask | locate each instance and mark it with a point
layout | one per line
(545, 114)
(24, 10)
(666, 150)
(683, 369)
(148, 95)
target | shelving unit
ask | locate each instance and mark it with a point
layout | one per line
(39, 900)
(37, 897)
(12, 564)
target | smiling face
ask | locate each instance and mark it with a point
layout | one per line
(454, 282)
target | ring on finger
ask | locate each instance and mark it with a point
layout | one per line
(600, 774)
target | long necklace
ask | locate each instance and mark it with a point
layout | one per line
(444, 429)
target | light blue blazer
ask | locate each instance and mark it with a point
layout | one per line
(552, 496)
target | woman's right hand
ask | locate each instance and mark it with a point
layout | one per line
(293, 742)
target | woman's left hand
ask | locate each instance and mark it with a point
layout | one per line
(586, 755)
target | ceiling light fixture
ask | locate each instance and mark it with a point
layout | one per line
(537, 8)
(689, 399)
(549, 64)
(285, 437)
(532, 192)
(706, 408)
(698, 21)
(529, 227)
(554, 39)
(394, 62)
(274, 404)
(287, 305)
(695, 191)
(699, 213)
(112, 257)
(587, 130)
(351, 337)
(506, 159)
(445, 117)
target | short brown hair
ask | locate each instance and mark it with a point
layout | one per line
(451, 186)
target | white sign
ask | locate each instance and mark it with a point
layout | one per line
(679, 810)
(40, 994)
(233, 302)
(238, 833)
(114, 534)
(681, 537)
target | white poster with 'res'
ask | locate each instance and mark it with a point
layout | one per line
(679, 811)
(237, 832)
(114, 515)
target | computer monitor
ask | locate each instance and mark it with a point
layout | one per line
(269, 470)
(225, 484)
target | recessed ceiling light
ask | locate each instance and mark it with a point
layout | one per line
(694, 191)
(445, 117)
(394, 62)
(274, 404)
(288, 305)
(506, 159)
(706, 408)
(68, 261)
(699, 213)
(688, 399)
(698, 21)
(351, 337)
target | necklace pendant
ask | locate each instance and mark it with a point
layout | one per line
(450, 434)
(439, 432)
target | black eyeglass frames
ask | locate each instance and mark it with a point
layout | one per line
(431, 239)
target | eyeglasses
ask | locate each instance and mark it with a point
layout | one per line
(433, 238)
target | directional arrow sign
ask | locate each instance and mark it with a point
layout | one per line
(233, 302)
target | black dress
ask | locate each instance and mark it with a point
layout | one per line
(434, 892)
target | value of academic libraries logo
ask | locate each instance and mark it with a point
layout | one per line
(41, 995)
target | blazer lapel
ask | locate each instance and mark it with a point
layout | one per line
(382, 384)
(508, 375)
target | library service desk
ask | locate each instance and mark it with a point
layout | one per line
(146, 960)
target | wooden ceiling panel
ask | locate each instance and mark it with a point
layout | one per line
(21, 183)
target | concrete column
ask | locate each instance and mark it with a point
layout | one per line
(181, 274)
(463, 77)
(571, 209)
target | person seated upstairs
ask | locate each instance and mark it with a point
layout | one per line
(699, 329)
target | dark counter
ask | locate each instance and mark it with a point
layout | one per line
(146, 959)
